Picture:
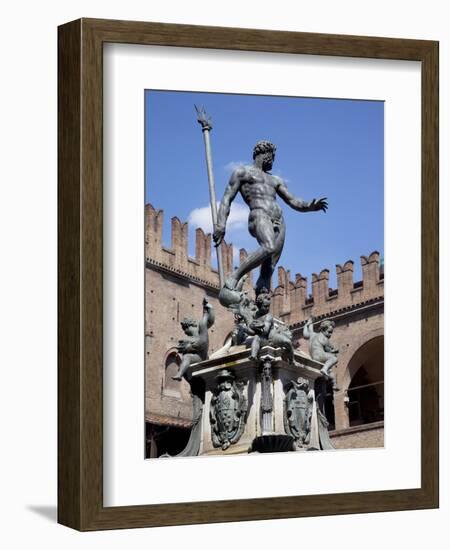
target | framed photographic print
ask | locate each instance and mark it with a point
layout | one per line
(234, 205)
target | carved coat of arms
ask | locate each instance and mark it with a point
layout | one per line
(298, 405)
(227, 411)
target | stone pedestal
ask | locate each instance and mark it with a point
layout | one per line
(245, 405)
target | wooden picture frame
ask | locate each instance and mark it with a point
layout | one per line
(80, 272)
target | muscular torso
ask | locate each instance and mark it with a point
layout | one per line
(258, 189)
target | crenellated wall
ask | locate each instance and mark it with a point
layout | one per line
(176, 284)
(176, 258)
(291, 301)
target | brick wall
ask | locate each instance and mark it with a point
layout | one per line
(177, 283)
(364, 437)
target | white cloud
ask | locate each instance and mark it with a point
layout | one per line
(237, 220)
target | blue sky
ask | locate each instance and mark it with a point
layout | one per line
(325, 148)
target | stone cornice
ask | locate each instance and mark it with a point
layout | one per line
(187, 277)
(344, 312)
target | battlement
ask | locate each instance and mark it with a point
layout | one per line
(176, 258)
(292, 303)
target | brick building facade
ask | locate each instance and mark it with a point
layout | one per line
(175, 285)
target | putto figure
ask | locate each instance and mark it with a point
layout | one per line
(259, 189)
(320, 347)
(265, 329)
(262, 324)
(194, 348)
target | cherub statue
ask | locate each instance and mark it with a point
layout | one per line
(320, 347)
(281, 337)
(265, 330)
(194, 348)
(262, 323)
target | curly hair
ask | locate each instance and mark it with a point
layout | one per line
(262, 147)
(326, 323)
(301, 381)
(262, 295)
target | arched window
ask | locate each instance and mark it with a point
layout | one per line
(366, 389)
(171, 368)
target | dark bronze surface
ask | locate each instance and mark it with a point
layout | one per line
(80, 404)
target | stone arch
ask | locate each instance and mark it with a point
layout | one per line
(364, 382)
(354, 350)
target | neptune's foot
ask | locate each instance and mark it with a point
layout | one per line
(230, 294)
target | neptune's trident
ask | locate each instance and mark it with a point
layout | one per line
(205, 122)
